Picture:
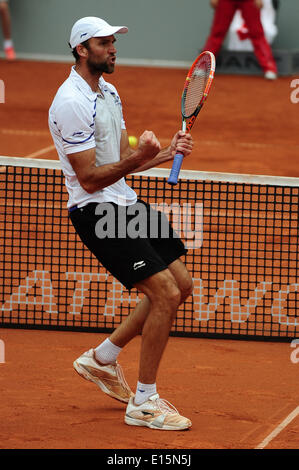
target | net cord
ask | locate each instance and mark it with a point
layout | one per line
(164, 173)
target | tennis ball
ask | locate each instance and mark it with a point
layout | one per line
(133, 141)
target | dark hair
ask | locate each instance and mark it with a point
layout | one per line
(74, 51)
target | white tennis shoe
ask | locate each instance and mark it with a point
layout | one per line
(109, 377)
(270, 75)
(156, 413)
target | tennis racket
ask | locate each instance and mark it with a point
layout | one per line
(196, 89)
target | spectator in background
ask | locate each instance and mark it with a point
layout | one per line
(238, 38)
(250, 9)
(6, 29)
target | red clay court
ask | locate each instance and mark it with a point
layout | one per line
(237, 393)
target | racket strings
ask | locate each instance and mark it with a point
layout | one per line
(196, 87)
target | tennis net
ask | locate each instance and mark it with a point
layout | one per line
(242, 237)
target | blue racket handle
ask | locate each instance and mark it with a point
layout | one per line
(175, 170)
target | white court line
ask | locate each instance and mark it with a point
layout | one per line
(29, 133)
(219, 143)
(40, 152)
(24, 132)
(36, 154)
(279, 428)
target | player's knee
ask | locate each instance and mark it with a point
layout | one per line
(162, 291)
(185, 284)
(186, 288)
(171, 294)
(166, 301)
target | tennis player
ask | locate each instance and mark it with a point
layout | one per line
(88, 129)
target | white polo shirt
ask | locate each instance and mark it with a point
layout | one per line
(81, 119)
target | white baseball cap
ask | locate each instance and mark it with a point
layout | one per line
(92, 27)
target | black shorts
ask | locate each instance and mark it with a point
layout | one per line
(131, 248)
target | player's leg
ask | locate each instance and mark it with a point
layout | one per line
(164, 297)
(109, 350)
(223, 16)
(106, 354)
(152, 317)
(147, 408)
(262, 49)
(132, 325)
(182, 277)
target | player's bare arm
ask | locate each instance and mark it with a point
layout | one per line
(181, 142)
(93, 178)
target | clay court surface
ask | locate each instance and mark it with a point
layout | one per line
(235, 392)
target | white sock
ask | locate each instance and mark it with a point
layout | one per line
(143, 392)
(8, 43)
(107, 352)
